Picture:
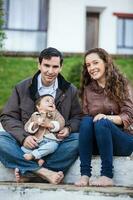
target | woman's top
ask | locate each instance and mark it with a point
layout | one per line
(96, 100)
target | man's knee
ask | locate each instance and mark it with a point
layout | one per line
(74, 140)
(4, 134)
(6, 140)
(71, 143)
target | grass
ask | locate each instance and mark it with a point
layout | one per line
(15, 69)
(126, 67)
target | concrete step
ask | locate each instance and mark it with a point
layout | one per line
(37, 191)
(123, 171)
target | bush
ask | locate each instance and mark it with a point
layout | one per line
(72, 69)
(15, 69)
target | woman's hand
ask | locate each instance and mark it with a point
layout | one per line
(116, 119)
(99, 116)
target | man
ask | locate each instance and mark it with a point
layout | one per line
(21, 105)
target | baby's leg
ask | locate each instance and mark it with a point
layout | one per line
(45, 148)
(28, 156)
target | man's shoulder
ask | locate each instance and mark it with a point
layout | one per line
(25, 82)
(73, 88)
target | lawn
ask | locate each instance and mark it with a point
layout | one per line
(14, 69)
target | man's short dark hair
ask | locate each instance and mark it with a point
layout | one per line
(50, 52)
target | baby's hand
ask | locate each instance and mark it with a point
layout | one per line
(40, 121)
(49, 125)
(46, 124)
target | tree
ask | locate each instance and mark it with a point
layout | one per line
(2, 34)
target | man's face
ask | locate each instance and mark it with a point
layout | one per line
(50, 70)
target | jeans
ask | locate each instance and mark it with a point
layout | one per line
(104, 138)
(11, 154)
(45, 147)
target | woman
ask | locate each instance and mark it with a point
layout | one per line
(106, 127)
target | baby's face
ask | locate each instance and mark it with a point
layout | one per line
(47, 104)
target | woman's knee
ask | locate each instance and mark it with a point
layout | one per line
(102, 128)
(86, 123)
(86, 129)
(102, 123)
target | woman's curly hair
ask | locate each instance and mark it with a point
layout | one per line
(116, 84)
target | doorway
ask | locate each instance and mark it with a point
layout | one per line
(92, 30)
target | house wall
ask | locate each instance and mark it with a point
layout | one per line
(67, 23)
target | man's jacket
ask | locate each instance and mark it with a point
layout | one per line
(21, 105)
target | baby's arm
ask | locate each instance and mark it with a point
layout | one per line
(32, 125)
(58, 122)
(55, 126)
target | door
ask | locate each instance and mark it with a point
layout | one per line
(92, 30)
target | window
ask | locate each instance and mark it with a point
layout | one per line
(25, 24)
(124, 33)
(26, 15)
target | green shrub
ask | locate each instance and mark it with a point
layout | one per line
(15, 69)
(72, 69)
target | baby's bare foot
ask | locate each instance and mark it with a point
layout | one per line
(28, 156)
(102, 181)
(40, 162)
(50, 176)
(83, 182)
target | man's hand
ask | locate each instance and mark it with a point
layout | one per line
(63, 133)
(30, 142)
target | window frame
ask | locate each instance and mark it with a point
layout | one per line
(123, 17)
(42, 12)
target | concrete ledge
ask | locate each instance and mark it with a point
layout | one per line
(106, 191)
(123, 171)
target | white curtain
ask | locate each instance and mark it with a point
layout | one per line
(129, 33)
(125, 32)
(23, 14)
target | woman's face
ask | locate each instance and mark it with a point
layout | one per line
(95, 67)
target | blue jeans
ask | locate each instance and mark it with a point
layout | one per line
(105, 138)
(11, 154)
(45, 147)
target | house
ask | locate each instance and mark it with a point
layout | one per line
(72, 26)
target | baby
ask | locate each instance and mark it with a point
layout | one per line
(44, 124)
